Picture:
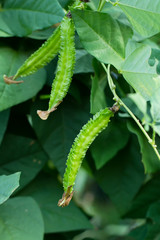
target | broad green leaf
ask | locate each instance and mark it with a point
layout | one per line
(143, 15)
(148, 194)
(139, 74)
(21, 18)
(10, 95)
(149, 158)
(122, 177)
(21, 219)
(8, 184)
(47, 192)
(102, 36)
(22, 154)
(4, 116)
(83, 62)
(108, 143)
(57, 133)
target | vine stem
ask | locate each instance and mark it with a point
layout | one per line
(113, 3)
(121, 103)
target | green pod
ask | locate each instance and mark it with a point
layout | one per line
(42, 56)
(66, 63)
(79, 148)
(65, 68)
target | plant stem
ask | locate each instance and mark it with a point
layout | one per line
(101, 5)
(154, 133)
(121, 103)
(113, 3)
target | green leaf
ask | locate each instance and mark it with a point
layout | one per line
(21, 218)
(83, 62)
(155, 106)
(64, 3)
(57, 133)
(143, 15)
(154, 214)
(4, 116)
(155, 56)
(139, 74)
(97, 98)
(151, 229)
(102, 36)
(19, 18)
(108, 143)
(8, 184)
(138, 105)
(139, 233)
(122, 177)
(47, 192)
(149, 158)
(139, 102)
(11, 95)
(148, 194)
(22, 154)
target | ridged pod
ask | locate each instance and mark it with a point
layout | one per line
(79, 148)
(65, 68)
(42, 56)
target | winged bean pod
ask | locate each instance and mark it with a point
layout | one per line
(42, 56)
(79, 148)
(65, 68)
